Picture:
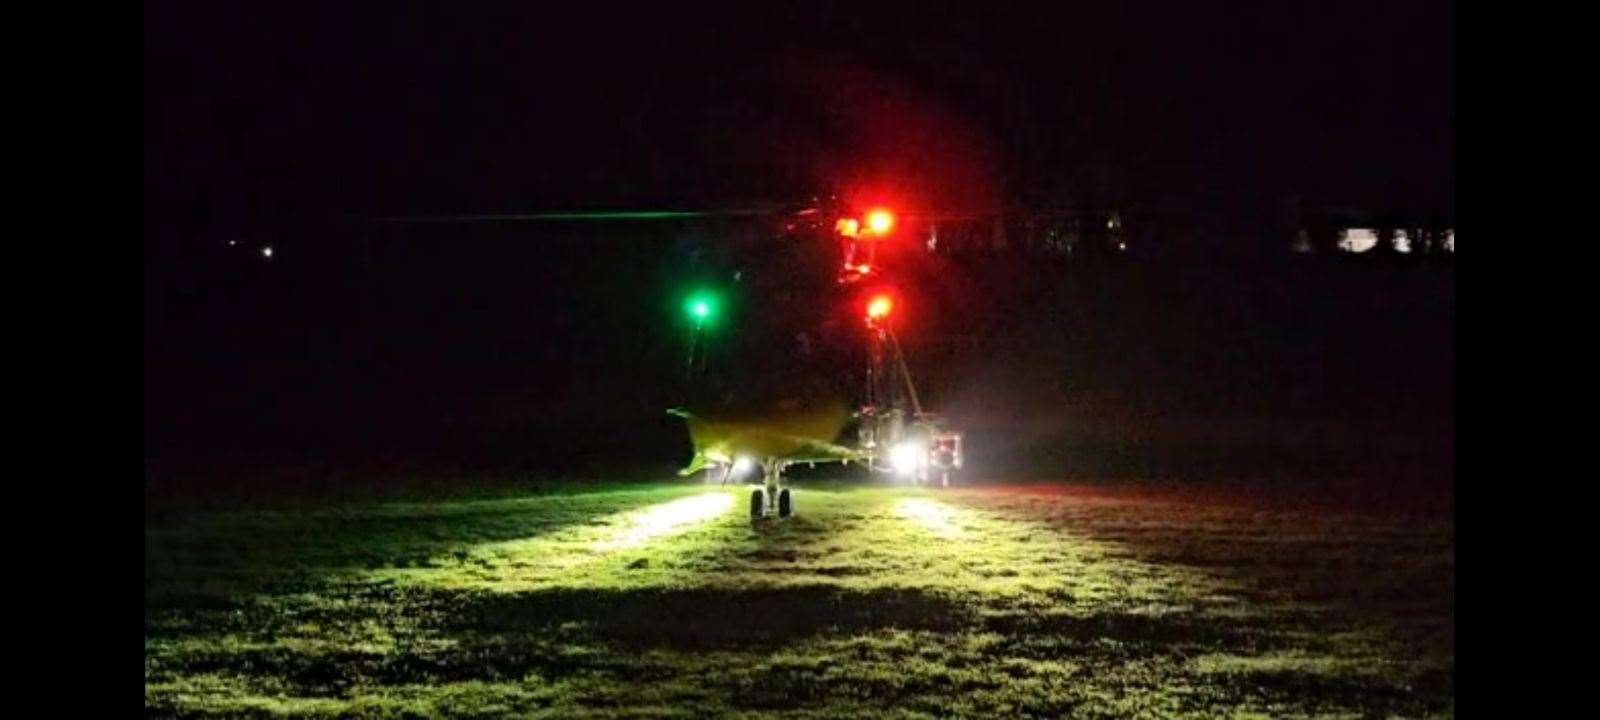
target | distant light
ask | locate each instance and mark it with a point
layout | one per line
(1122, 246)
(232, 243)
(702, 309)
(848, 227)
(879, 307)
(1358, 240)
(266, 252)
(742, 466)
(863, 268)
(880, 221)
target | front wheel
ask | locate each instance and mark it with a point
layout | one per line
(785, 503)
(758, 503)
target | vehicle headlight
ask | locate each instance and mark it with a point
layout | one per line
(907, 457)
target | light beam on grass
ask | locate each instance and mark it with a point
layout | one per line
(643, 526)
(582, 554)
(935, 517)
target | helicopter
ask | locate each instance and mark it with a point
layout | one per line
(819, 374)
(758, 424)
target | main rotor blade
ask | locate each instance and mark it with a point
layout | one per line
(584, 216)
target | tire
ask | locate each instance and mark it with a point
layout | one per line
(758, 503)
(785, 503)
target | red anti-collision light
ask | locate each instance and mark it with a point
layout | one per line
(880, 221)
(879, 307)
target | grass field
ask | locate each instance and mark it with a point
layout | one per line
(654, 600)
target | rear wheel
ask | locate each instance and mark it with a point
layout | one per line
(758, 503)
(785, 503)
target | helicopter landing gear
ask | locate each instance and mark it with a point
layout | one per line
(771, 495)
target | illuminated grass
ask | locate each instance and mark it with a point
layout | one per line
(668, 601)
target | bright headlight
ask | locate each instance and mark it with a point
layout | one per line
(906, 457)
(742, 466)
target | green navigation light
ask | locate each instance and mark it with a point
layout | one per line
(701, 307)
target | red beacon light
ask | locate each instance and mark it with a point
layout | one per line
(879, 307)
(879, 221)
(860, 238)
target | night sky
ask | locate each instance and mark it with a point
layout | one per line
(255, 113)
